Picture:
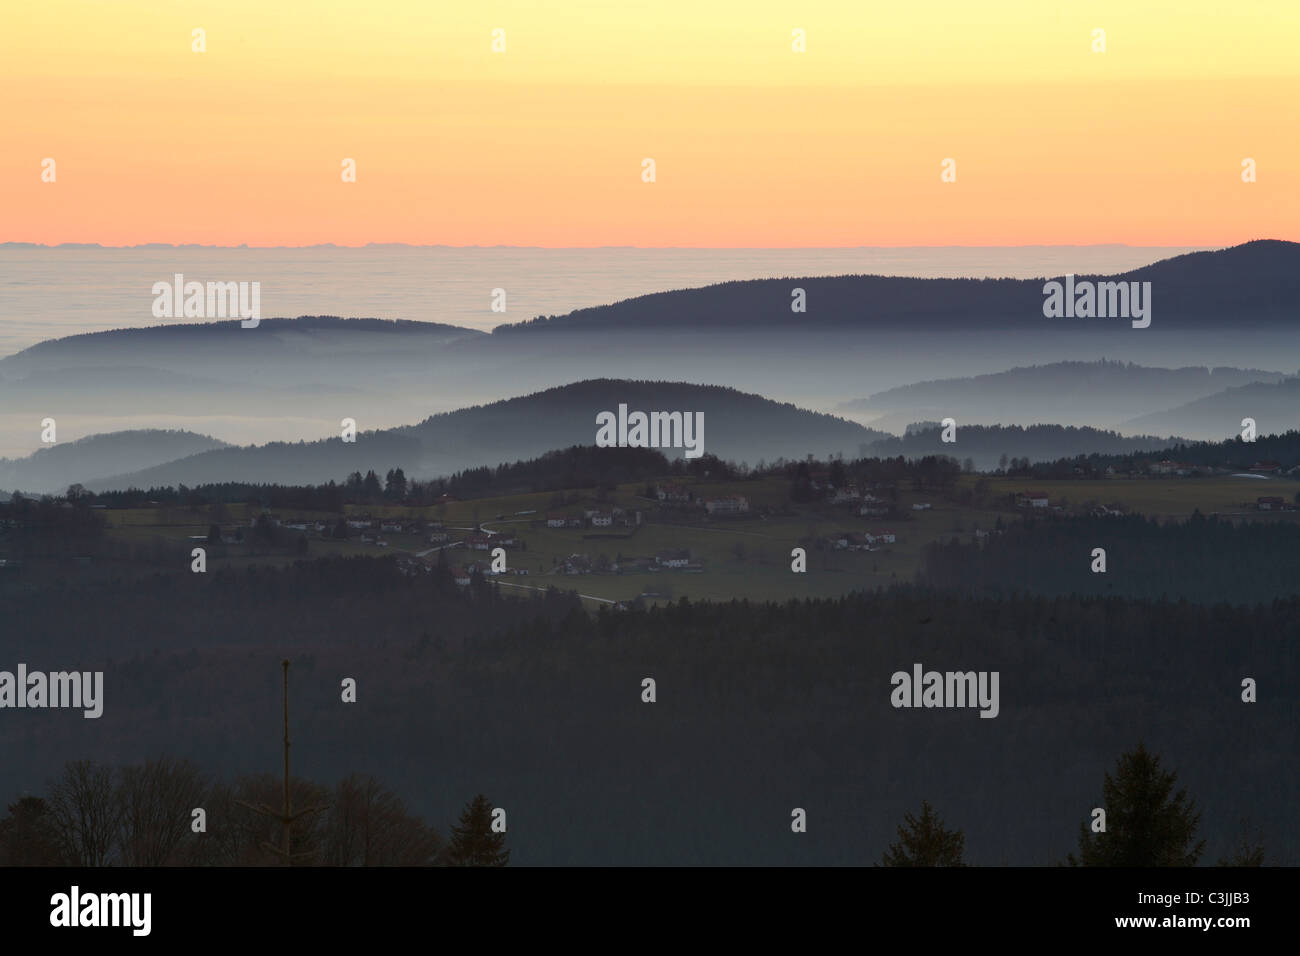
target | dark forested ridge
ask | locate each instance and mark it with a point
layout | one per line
(1281, 450)
(986, 444)
(1204, 560)
(760, 707)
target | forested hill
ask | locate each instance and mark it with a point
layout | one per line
(986, 445)
(1282, 450)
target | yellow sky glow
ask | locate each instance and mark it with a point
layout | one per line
(754, 144)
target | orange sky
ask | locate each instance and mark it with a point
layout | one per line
(754, 144)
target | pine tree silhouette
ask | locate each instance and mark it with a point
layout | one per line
(1148, 823)
(473, 843)
(926, 842)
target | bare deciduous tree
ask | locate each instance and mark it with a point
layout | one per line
(86, 812)
(370, 826)
(157, 800)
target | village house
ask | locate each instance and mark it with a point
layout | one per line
(673, 559)
(921, 506)
(478, 542)
(1270, 503)
(672, 493)
(394, 527)
(728, 505)
(873, 511)
(1031, 499)
(885, 537)
(850, 541)
(634, 564)
(601, 519)
(1265, 467)
(1180, 469)
(439, 537)
(555, 520)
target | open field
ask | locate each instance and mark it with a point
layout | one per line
(743, 557)
(1165, 498)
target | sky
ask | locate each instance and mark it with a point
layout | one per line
(754, 144)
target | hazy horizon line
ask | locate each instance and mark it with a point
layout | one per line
(407, 245)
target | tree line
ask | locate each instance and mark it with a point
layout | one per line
(167, 812)
(1204, 560)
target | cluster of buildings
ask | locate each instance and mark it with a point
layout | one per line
(861, 540)
(464, 573)
(1032, 499)
(594, 518)
(1182, 469)
(862, 503)
(671, 560)
(721, 506)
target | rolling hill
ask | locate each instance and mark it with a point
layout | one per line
(1275, 406)
(1101, 394)
(738, 426)
(51, 470)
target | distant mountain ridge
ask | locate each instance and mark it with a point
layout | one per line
(215, 334)
(1274, 406)
(1103, 393)
(1253, 283)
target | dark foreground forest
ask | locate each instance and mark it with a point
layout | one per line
(760, 708)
